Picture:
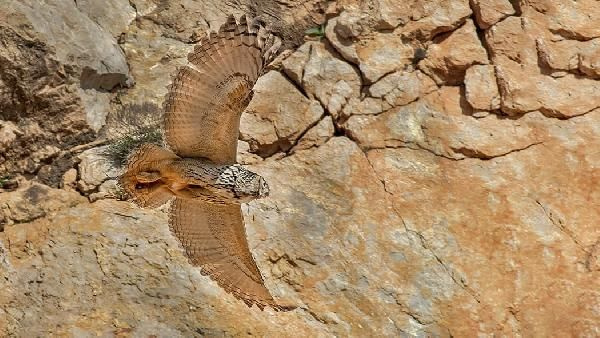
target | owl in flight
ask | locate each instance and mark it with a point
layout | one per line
(198, 171)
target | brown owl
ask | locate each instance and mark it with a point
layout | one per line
(198, 171)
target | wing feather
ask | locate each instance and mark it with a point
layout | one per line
(214, 238)
(207, 96)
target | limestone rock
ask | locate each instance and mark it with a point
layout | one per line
(108, 189)
(398, 207)
(366, 106)
(323, 76)
(330, 205)
(94, 169)
(329, 79)
(447, 61)
(105, 279)
(245, 155)
(401, 88)
(522, 85)
(47, 67)
(500, 213)
(69, 179)
(375, 54)
(294, 64)
(392, 13)
(382, 55)
(576, 20)
(489, 12)
(143, 7)
(317, 135)
(33, 201)
(113, 15)
(429, 18)
(441, 124)
(8, 134)
(481, 87)
(270, 125)
(91, 49)
(147, 50)
(579, 57)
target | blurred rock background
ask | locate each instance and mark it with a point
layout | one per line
(434, 168)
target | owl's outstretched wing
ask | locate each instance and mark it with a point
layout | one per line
(214, 238)
(207, 96)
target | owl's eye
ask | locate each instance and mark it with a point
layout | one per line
(139, 186)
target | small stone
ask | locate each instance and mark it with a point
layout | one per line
(481, 87)
(8, 134)
(69, 178)
(94, 168)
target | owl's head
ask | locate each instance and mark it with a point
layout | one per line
(243, 183)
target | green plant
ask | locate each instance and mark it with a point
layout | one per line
(119, 149)
(130, 127)
(3, 180)
(120, 194)
(318, 31)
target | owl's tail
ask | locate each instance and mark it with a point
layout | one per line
(142, 180)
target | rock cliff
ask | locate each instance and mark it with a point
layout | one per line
(434, 170)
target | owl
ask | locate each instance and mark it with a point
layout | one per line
(197, 170)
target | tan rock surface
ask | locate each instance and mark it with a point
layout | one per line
(522, 246)
(430, 18)
(481, 87)
(401, 88)
(273, 125)
(514, 45)
(442, 123)
(576, 20)
(489, 12)
(317, 135)
(114, 15)
(375, 54)
(323, 76)
(447, 61)
(458, 200)
(579, 57)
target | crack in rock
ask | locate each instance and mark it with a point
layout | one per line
(559, 223)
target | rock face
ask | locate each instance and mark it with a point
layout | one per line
(433, 165)
(447, 61)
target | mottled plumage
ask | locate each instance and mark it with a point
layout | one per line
(198, 171)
